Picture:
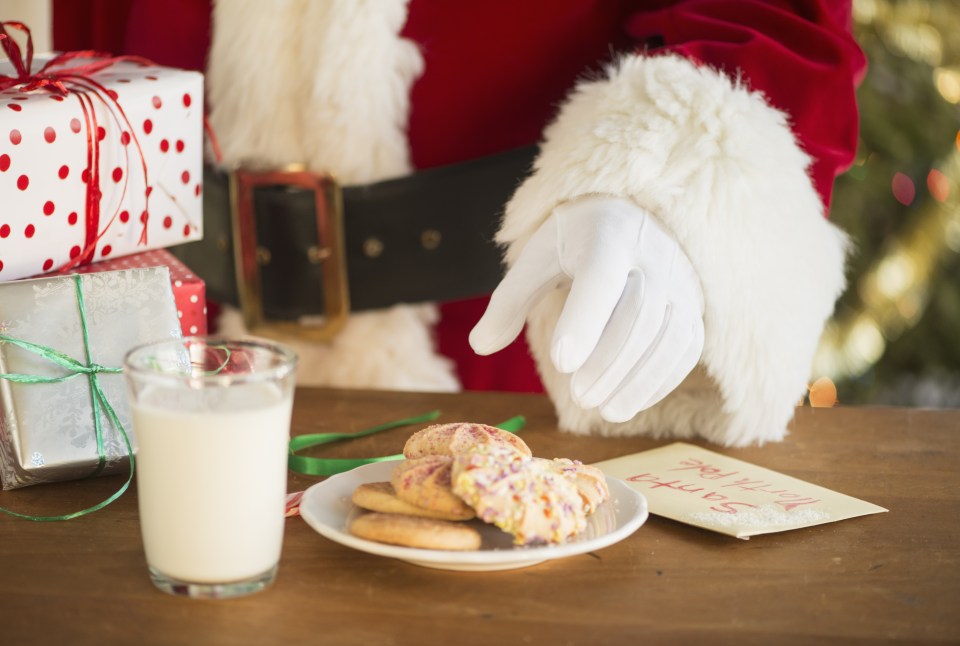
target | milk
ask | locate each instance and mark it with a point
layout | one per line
(211, 481)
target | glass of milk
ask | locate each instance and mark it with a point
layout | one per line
(212, 423)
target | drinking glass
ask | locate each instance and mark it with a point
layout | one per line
(211, 419)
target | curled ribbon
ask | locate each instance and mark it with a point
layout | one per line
(76, 80)
(99, 400)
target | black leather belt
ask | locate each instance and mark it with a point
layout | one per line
(427, 236)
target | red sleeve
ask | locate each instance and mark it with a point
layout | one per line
(90, 24)
(799, 53)
(175, 33)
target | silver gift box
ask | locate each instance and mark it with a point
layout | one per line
(47, 431)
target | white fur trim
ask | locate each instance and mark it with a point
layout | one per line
(359, 100)
(722, 170)
(253, 84)
(327, 84)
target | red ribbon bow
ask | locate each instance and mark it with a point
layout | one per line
(75, 80)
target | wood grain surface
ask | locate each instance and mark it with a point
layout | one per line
(869, 579)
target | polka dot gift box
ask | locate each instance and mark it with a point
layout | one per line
(189, 291)
(111, 168)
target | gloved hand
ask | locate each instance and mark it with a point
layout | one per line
(631, 328)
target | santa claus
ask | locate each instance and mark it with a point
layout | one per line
(668, 251)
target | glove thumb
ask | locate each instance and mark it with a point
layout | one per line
(536, 272)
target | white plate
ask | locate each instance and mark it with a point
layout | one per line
(327, 508)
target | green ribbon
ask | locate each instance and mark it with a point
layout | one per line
(331, 466)
(98, 401)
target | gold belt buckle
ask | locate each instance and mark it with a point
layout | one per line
(329, 252)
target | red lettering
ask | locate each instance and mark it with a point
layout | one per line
(707, 472)
(655, 482)
(787, 506)
(713, 495)
(715, 474)
(728, 507)
(745, 484)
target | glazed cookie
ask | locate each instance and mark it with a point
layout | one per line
(456, 438)
(528, 498)
(425, 482)
(410, 531)
(381, 496)
(590, 481)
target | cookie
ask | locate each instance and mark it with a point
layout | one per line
(522, 496)
(381, 496)
(425, 483)
(589, 480)
(411, 531)
(456, 438)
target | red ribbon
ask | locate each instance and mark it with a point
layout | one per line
(75, 80)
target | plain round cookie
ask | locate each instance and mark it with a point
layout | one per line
(411, 531)
(382, 497)
(426, 483)
(459, 437)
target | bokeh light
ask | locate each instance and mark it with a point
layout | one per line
(938, 185)
(895, 274)
(903, 189)
(947, 82)
(823, 393)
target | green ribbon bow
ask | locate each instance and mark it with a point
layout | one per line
(98, 400)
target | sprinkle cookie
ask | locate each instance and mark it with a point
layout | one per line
(425, 483)
(522, 496)
(453, 439)
(589, 480)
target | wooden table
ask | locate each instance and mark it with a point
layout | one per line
(873, 578)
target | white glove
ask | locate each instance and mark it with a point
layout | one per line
(632, 325)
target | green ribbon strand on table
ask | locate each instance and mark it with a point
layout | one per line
(513, 425)
(98, 401)
(331, 466)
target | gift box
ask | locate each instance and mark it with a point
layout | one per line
(50, 429)
(99, 158)
(189, 290)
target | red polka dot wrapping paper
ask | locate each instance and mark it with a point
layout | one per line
(44, 175)
(189, 290)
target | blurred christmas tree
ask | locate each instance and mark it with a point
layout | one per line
(895, 336)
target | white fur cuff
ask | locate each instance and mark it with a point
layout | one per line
(722, 170)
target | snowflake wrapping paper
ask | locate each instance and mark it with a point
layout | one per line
(149, 172)
(47, 432)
